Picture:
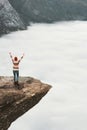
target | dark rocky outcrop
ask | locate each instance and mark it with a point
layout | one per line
(50, 10)
(15, 102)
(9, 18)
(17, 14)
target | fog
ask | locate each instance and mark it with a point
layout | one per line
(56, 54)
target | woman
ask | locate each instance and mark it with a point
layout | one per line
(16, 62)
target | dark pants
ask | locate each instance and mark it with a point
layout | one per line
(16, 75)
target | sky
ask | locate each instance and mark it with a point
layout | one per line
(56, 54)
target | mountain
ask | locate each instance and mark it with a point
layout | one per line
(9, 18)
(17, 14)
(50, 10)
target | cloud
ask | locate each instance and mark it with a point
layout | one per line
(55, 54)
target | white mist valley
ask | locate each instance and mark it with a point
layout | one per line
(56, 54)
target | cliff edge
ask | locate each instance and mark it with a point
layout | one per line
(15, 102)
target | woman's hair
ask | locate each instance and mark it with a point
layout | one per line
(15, 58)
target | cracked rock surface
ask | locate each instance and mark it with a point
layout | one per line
(16, 100)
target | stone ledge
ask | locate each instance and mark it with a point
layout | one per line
(15, 102)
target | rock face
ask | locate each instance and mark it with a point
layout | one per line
(50, 10)
(17, 14)
(15, 102)
(9, 18)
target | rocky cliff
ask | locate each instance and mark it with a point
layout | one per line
(17, 14)
(50, 10)
(9, 18)
(16, 100)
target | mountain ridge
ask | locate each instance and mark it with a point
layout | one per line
(17, 15)
(9, 18)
